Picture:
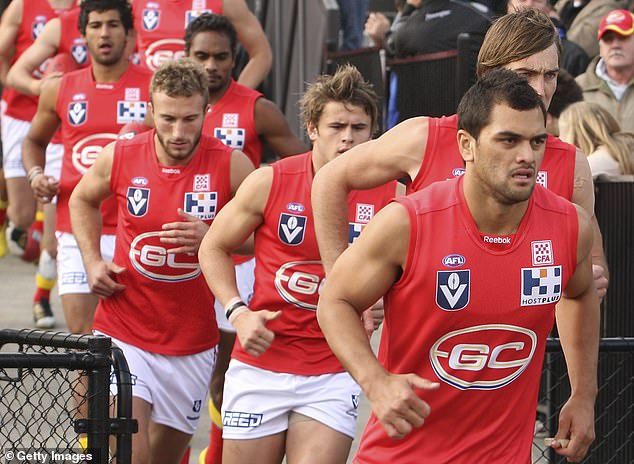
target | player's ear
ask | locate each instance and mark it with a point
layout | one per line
(312, 131)
(466, 144)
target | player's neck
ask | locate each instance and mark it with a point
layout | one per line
(216, 95)
(109, 73)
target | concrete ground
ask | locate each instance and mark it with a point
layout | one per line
(16, 290)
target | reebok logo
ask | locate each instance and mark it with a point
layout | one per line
(503, 240)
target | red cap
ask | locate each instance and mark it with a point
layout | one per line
(619, 21)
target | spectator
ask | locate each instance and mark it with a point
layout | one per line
(581, 18)
(593, 129)
(567, 93)
(352, 14)
(378, 27)
(609, 79)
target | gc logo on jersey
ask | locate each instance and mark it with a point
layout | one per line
(164, 50)
(86, 150)
(298, 283)
(138, 200)
(131, 111)
(77, 113)
(203, 205)
(151, 259)
(291, 228)
(541, 285)
(453, 289)
(483, 357)
(151, 19)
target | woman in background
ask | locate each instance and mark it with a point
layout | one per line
(595, 131)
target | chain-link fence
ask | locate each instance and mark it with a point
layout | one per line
(614, 423)
(54, 390)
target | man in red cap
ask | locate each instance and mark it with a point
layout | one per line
(609, 79)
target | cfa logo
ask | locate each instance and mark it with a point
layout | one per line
(162, 51)
(150, 258)
(483, 357)
(299, 282)
(86, 150)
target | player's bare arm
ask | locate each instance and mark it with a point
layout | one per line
(374, 262)
(231, 227)
(43, 126)
(9, 28)
(578, 323)
(583, 195)
(271, 125)
(254, 41)
(21, 73)
(398, 153)
(86, 219)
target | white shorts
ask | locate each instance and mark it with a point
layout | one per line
(71, 273)
(259, 402)
(175, 386)
(13, 133)
(245, 279)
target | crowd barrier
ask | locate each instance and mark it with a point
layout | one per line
(41, 374)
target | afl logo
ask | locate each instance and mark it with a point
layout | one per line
(457, 172)
(140, 181)
(162, 51)
(295, 207)
(150, 258)
(299, 282)
(86, 150)
(483, 357)
(454, 260)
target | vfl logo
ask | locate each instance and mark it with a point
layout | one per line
(299, 282)
(195, 409)
(138, 199)
(484, 357)
(353, 411)
(452, 289)
(151, 19)
(233, 138)
(77, 113)
(164, 50)
(37, 26)
(149, 258)
(291, 229)
(79, 52)
(86, 150)
(540, 285)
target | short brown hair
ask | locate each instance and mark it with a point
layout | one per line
(181, 78)
(346, 86)
(516, 36)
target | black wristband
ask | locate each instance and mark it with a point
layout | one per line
(233, 307)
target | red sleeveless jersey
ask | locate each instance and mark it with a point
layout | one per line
(71, 41)
(166, 307)
(232, 121)
(443, 161)
(289, 273)
(91, 116)
(35, 14)
(161, 24)
(473, 315)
